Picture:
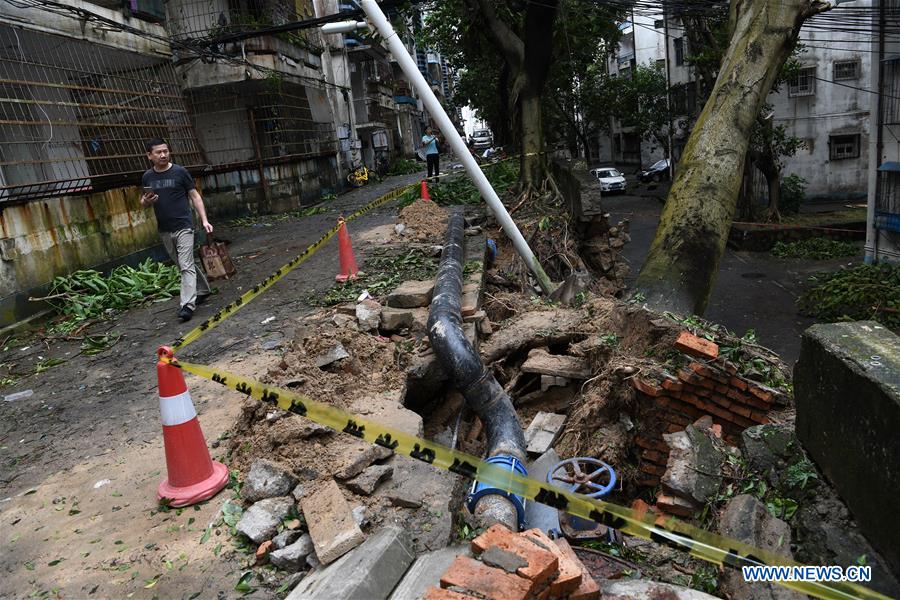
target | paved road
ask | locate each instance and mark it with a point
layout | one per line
(753, 290)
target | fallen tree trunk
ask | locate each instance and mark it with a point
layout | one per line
(679, 272)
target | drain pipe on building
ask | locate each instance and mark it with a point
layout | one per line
(483, 394)
(445, 125)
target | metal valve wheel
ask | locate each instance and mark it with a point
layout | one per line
(583, 475)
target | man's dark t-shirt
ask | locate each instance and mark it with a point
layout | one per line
(172, 208)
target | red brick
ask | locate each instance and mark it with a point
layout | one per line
(716, 430)
(588, 589)
(640, 508)
(730, 368)
(738, 383)
(708, 383)
(692, 398)
(263, 551)
(701, 370)
(722, 389)
(696, 346)
(569, 577)
(762, 392)
(542, 564)
(720, 412)
(646, 387)
(652, 469)
(736, 394)
(741, 410)
(688, 376)
(469, 574)
(742, 421)
(675, 506)
(755, 402)
(672, 385)
(644, 442)
(654, 456)
(434, 593)
(722, 401)
(705, 392)
(677, 419)
(759, 417)
(673, 428)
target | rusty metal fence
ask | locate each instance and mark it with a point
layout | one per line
(74, 116)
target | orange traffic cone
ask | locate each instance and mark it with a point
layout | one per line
(193, 475)
(424, 195)
(349, 270)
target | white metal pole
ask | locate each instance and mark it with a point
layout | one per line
(445, 125)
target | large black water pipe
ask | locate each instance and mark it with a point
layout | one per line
(461, 362)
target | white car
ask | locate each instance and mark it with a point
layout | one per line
(611, 180)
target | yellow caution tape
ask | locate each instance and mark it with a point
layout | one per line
(226, 311)
(702, 544)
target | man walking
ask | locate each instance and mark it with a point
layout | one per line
(167, 187)
(430, 143)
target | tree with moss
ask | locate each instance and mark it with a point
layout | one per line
(680, 269)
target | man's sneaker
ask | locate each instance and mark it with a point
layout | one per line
(185, 313)
(202, 299)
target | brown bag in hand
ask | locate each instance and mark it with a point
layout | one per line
(216, 261)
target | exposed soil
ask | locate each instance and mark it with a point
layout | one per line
(425, 222)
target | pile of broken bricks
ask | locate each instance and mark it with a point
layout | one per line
(516, 566)
(707, 401)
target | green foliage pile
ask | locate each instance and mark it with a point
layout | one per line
(816, 248)
(380, 275)
(87, 294)
(793, 192)
(404, 166)
(859, 293)
(460, 190)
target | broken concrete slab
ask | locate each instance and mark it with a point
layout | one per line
(543, 431)
(405, 495)
(387, 408)
(395, 319)
(370, 571)
(286, 538)
(411, 294)
(542, 362)
(358, 456)
(334, 354)
(549, 381)
(292, 558)
(267, 479)
(366, 482)
(431, 525)
(368, 314)
(693, 469)
(534, 328)
(746, 519)
(540, 515)
(641, 589)
(260, 522)
(331, 525)
(426, 572)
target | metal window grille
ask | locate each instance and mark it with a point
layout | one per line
(890, 99)
(843, 146)
(803, 83)
(846, 70)
(271, 121)
(204, 19)
(74, 115)
(679, 51)
(887, 204)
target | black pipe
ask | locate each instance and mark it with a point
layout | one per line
(460, 361)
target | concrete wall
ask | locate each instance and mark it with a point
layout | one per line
(847, 394)
(56, 236)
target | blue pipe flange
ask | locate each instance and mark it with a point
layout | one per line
(479, 490)
(582, 475)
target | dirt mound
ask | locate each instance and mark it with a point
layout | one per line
(425, 222)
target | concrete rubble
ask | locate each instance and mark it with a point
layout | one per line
(366, 482)
(267, 479)
(337, 352)
(331, 525)
(411, 294)
(292, 558)
(368, 314)
(260, 521)
(543, 431)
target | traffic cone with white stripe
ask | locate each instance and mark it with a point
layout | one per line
(193, 475)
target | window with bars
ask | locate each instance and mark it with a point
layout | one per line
(843, 146)
(846, 70)
(803, 83)
(678, 43)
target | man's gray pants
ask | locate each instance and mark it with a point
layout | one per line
(180, 246)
